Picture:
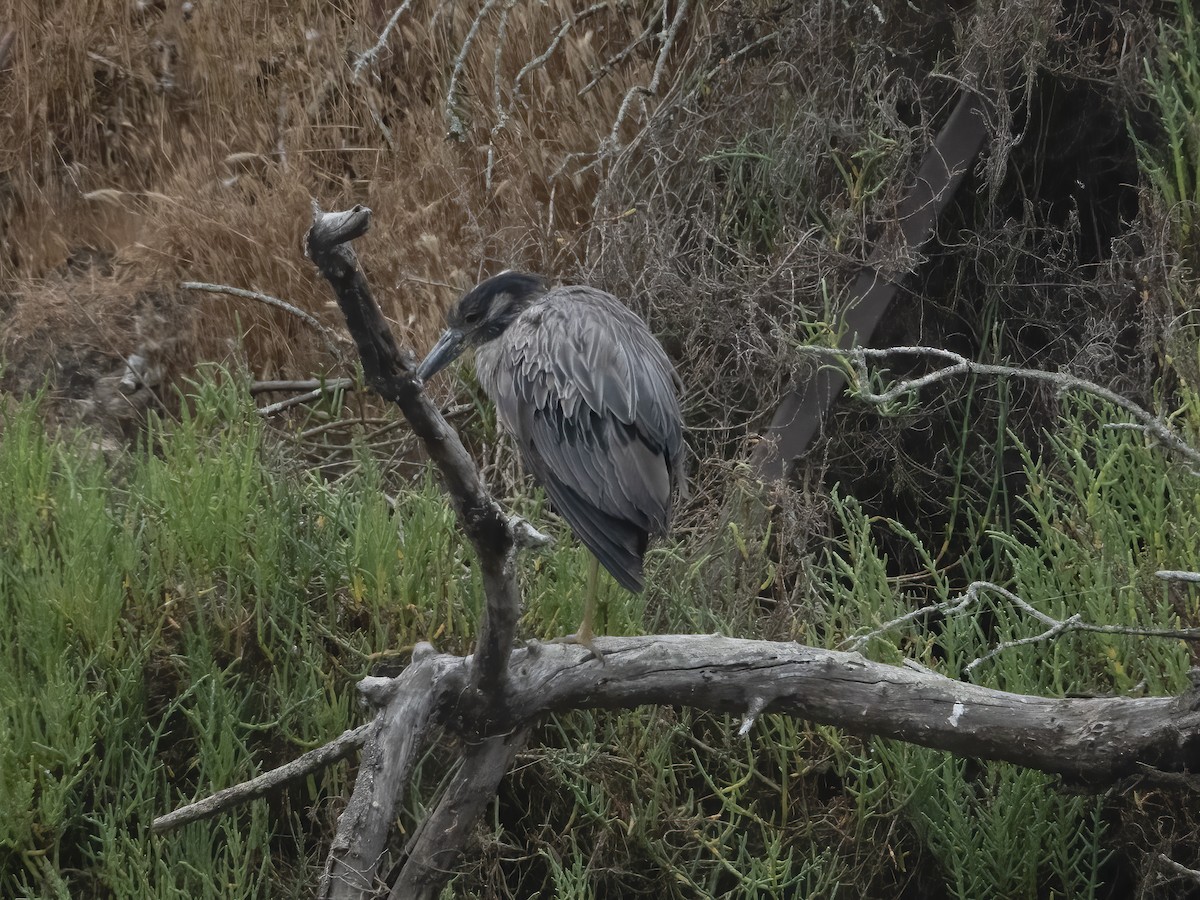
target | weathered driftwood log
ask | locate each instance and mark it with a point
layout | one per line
(1091, 742)
(494, 697)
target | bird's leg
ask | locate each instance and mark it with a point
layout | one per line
(584, 634)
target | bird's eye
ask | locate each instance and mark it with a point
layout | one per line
(472, 317)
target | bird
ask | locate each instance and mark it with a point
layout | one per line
(592, 401)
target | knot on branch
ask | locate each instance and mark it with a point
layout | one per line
(378, 692)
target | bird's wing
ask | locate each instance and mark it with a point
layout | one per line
(589, 394)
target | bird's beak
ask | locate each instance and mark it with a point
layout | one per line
(445, 351)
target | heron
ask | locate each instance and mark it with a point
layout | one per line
(591, 399)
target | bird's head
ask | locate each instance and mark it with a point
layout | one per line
(481, 315)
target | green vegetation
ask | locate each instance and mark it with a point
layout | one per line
(1102, 512)
(1174, 170)
(183, 616)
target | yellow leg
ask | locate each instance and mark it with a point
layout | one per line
(583, 636)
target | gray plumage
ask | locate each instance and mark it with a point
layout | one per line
(590, 397)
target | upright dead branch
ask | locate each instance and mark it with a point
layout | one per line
(389, 753)
(438, 843)
(390, 372)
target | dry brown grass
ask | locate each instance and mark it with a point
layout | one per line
(183, 141)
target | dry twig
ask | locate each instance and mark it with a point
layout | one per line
(329, 386)
(368, 56)
(669, 33)
(1054, 627)
(455, 127)
(956, 365)
(300, 767)
(328, 335)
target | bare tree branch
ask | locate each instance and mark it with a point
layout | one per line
(391, 373)
(328, 335)
(1178, 870)
(957, 364)
(363, 828)
(1090, 741)
(310, 762)
(306, 384)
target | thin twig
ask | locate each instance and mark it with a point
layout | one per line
(1179, 870)
(503, 115)
(1170, 575)
(727, 61)
(310, 762)
(306, 384)
(1076, 623)
(616, 59)
(541, 59)
(328, 335)
(367, 57)
(6, 45)
(329, 386)
(1054, 627)
(945, 608)
(339, 424)
(651, 89)
(455, 126)
(501, 111)
(960, 365)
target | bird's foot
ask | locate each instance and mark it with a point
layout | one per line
(583, 637)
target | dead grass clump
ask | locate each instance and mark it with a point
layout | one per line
(183, 141)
